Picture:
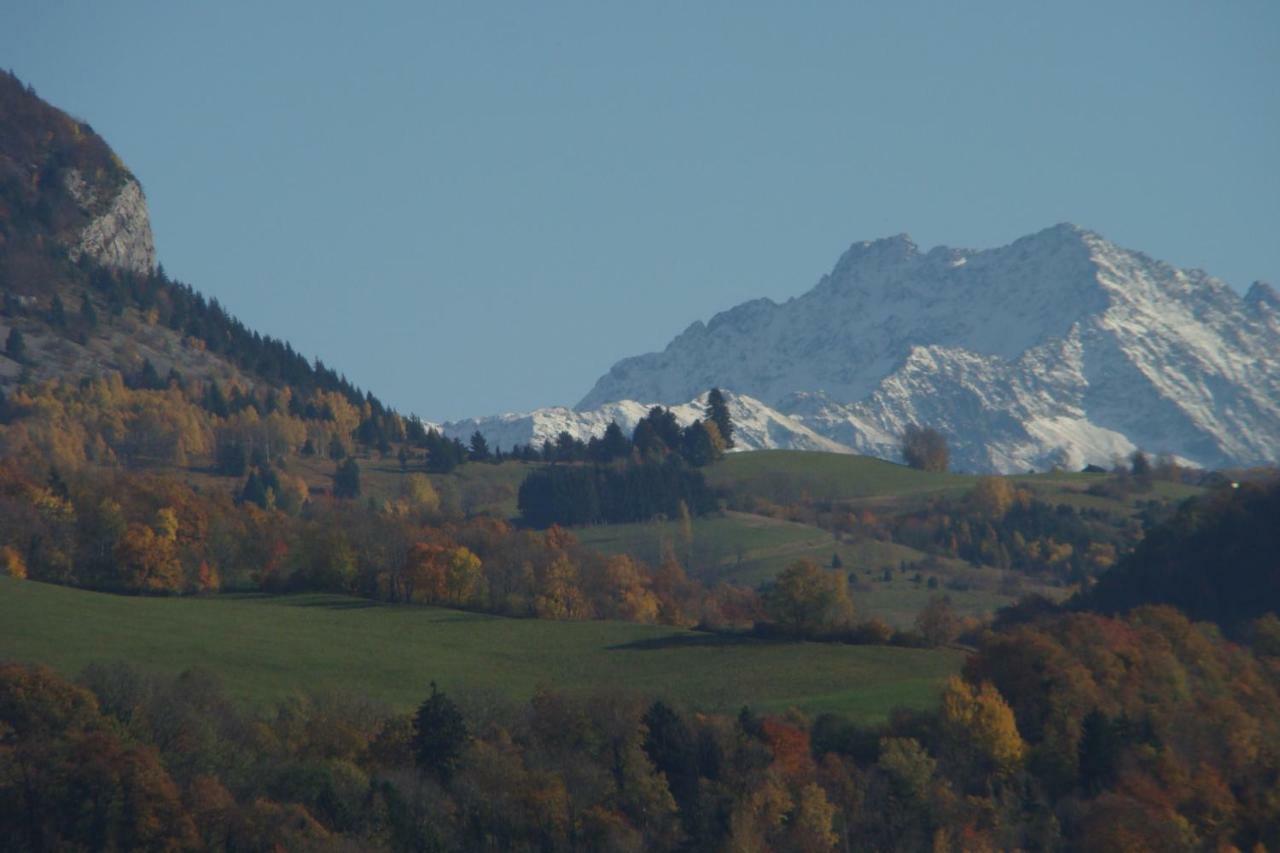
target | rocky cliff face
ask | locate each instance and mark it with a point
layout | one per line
(119, 231)
(1060, 348)
(61, 184)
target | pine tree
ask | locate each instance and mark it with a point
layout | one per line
(439, 735)
(87, 312)
(614, 444)
(57, 313)
(16, 346)
(215, 401)
(346, 480)
(718, 413)
(479, 451)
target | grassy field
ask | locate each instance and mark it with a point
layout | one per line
(267, 648)
(787, 476)
(749, 550)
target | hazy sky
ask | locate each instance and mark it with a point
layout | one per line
(476, 207)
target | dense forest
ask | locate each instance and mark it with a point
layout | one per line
(1217, 560)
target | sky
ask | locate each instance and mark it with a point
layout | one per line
(470, 208)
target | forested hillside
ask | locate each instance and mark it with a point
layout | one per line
(1217, 560)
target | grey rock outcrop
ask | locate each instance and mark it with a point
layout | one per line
(119, 231)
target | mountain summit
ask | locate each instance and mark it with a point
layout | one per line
(1060, 348)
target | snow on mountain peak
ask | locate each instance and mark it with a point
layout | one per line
(1058, 346)
(756, 426)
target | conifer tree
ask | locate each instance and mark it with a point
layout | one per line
(57, 313)
(479, 451)
(614, 444)
(439, 735)
(15, 346)
(346, 480)
(87, 312)
(718, 413)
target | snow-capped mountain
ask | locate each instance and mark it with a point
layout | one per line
(1060, 348)
(756, 426)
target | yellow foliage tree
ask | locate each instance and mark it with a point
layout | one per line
(464, 582)
(979, 728)
(626, 594)
(992, 497)
(419, 495)
(807, 599)
(147, 561)
(207, 578)
(11, 563)
(559, 594)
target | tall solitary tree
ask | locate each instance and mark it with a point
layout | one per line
(718, 413)
(346, 480)
(925, 449)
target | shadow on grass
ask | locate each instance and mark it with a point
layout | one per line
(332, 603)
(690, 641)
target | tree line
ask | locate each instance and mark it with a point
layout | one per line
(619, 479)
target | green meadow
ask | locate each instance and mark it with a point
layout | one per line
(267, 648)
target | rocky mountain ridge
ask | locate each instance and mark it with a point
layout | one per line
(1060, 348)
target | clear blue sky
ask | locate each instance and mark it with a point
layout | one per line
(475, 207)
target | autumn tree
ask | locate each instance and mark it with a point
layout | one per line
(979, 731)
(808, 600)
(11, 562)
(146, 556)
(418, 494)
(992, 497)
(925, 449)
(937, 621)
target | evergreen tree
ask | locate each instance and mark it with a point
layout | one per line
(614, 444)
(346, 480)
(647, 441)
(231, 458)
(87, 312)
(479, 451)
(215, 401)
(57, 313)
(439, 735)
(718, 413)
(149, 377)
(697, 446)
(15, 346)
(255, 490)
